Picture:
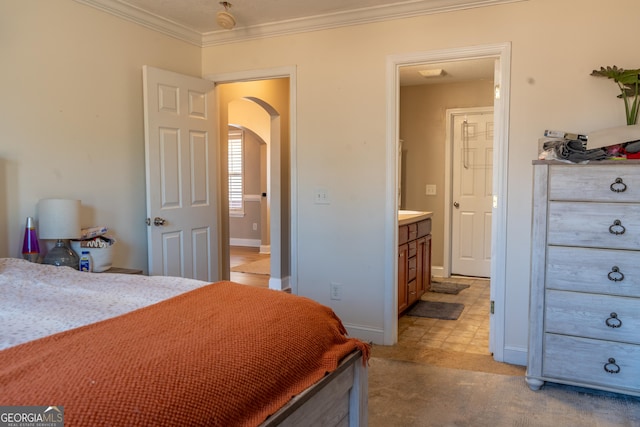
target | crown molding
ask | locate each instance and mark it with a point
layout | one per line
(405, 9)
(343, 19)
(146, 19)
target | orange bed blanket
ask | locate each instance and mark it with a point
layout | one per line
(221, 355)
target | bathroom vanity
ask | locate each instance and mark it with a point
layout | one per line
(414, 257)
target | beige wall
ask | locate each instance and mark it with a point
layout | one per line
(71, 106)
(341, 128)
(423, 131)
(71, 117)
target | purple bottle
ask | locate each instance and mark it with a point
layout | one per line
(30, 246)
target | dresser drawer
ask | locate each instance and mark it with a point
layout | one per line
(595, 183)
(587, 315)
(593, 270)
(583, 360)
(594, 225)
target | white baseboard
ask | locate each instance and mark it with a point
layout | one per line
(252, 243)
(437, 271)
(365, 334)
(515, 356)
(265, 249)
(280, 284)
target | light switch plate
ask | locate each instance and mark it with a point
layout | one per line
(430, 190)
(321, 196)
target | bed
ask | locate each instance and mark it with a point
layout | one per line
(116, 349)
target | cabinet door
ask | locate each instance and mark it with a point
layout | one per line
(403, 273)
(412, 294)
(424, 265)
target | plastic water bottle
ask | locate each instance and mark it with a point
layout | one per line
(85, 262)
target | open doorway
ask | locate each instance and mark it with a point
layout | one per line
(499, 57)
(271, 95)
(249, 254)
(445, 160)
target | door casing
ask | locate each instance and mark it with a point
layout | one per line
(501, 52)
(289, 282)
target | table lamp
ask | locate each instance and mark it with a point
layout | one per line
(59, 219)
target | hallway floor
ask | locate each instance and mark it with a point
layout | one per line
(241, 255)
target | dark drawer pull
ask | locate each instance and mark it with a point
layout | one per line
(617, 228)
(618, 186)
(615, 275)
(612, 367)
(613, 321)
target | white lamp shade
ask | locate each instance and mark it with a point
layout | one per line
(59, 219)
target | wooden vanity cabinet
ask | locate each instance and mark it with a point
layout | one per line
(414, 262)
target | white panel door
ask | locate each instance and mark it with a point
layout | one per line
(181, 158)
(472, 193)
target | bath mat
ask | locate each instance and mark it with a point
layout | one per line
(447, 287)
(437, 310)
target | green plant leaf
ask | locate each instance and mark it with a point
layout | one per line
(628, 77)
(628, 83)
(609, 72)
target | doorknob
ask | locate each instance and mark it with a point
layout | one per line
(456, 205)
(157, 221)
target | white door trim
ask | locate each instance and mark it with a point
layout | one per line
(501, 51)
(448, 181)
(289, 282)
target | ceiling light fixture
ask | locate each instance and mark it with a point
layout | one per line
(224, 18)
(434, 72)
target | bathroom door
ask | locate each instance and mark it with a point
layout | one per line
(472, 193)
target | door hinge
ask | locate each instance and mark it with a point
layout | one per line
(493, 307)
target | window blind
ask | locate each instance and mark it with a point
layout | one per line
(236, 169)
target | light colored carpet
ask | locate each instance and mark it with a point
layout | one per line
(262, 266)
(406, 394)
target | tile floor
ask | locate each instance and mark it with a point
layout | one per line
(468, 334)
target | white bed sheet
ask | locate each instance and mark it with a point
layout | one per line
(38, 300)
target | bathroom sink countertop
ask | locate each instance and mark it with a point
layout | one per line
(407, 217)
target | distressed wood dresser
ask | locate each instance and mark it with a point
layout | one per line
(584, 314)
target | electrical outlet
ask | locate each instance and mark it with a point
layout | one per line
(255, 226)
(336, 291)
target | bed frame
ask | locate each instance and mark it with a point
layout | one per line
(339, 399)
